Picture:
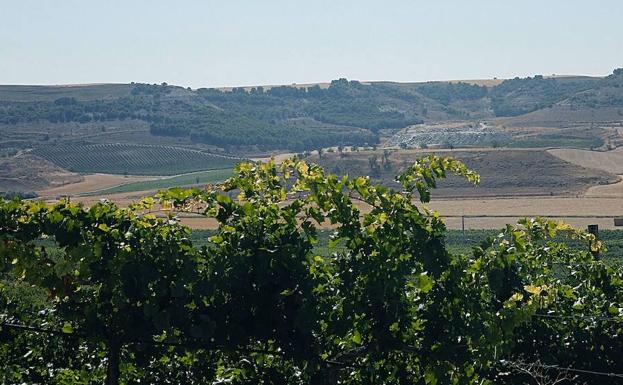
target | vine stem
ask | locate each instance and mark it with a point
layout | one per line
(112, 370)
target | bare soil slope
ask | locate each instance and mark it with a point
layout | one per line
(608, 161)
(27, 172)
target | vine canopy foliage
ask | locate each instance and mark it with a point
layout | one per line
(102, 293)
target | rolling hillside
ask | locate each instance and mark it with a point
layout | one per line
(289, 117)
(68, 125)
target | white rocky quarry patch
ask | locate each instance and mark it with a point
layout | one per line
(456, 135)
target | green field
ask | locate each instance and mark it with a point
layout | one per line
(202, 177)
(459, 242)
(462, 242)
(572, 138)
(561, 141)
(456, 242)
(117, 158)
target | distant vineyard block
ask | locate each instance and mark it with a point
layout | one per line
(117, 158)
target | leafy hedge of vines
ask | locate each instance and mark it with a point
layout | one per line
(102, 293)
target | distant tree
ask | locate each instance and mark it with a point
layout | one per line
(403, 145)
(340, 150)
(387, 165)
(375, 168)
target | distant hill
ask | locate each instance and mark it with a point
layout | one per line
(80, 92)
(296, 117)
(237, 122)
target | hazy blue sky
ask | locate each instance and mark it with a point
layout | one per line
(235, 42)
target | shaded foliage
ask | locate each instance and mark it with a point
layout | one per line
(257, 303)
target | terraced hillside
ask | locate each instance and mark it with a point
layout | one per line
(116, 158)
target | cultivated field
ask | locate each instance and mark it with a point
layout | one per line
(496, 213)
(485, 213)
(504, 172)
(191, 179)
(609, 161)
(117, 158)
(515, 184)
(90, 183)
(614, 190)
